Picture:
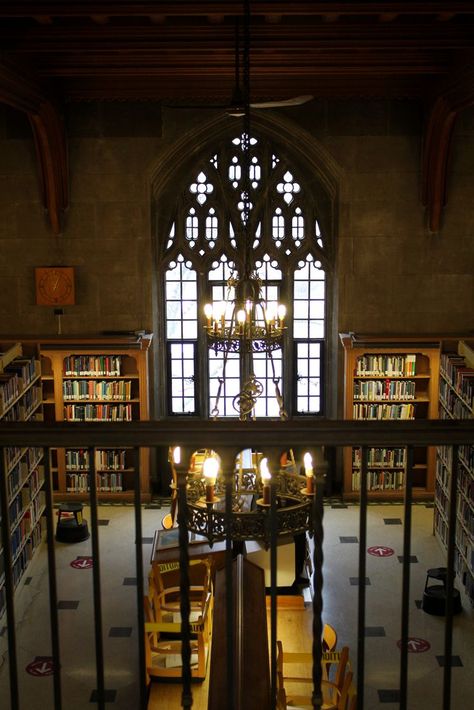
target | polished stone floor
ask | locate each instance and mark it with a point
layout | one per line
(119, 602)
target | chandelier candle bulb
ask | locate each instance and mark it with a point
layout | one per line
(265, 475)
(308, 469)
(281, 310)
(210, 470)
(208, 314)
(241, 316)
(177, 455)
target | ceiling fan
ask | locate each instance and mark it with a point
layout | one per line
(241, 97)
(239, 101)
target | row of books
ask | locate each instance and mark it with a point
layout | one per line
(454, 408)
(383, 411)
(9, 390)
(466, 453)
(386, 365)
(94, 365)
(93, 389)
(13, 414)
(391, 458)
(384, 389)
(98, 412)
(106, 482)
(463, 565)
(17, 375)
(460, 376)
(380, 480)
(77, 459)
(464, 531)
(465, 512)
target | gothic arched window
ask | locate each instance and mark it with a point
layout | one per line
(203, 247)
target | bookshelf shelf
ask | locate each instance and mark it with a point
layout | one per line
(20, 400)
(390, 379)
(99, 380)
(456, 402)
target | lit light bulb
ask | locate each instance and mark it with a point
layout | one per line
(308, 469)
(281, 310)
(177, 454)
(241, 315)
(266, 476)
(208, 310)
(210, 470)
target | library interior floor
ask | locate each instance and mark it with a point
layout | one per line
(341, 524)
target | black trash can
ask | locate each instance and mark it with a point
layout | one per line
(434, 596)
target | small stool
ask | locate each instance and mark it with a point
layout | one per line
(71, 528)
(434, 596)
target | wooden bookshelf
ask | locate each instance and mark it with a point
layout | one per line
(96, 380)
(21, 400)
(456, 401)
(390, 379)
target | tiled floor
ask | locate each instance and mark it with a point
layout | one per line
(119, 599)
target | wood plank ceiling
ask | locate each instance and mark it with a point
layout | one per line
(183, 53)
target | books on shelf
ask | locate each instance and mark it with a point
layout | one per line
(383, 411)
(107, 482)
(97, 389)
(95, 365)
(390, 379)
(20, 400)
(456, 402)
(386, 365)
(98, 412)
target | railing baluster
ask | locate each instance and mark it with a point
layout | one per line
(99, 643)
(362, 574)
(405, 616)
(229, 588)
(9, 584)
(53, 593)
(140, 587)
(448, 631)
(273, 593)
(184, 607)
(317, 511)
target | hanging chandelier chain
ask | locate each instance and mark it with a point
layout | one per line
(246, 323)
(246, 140)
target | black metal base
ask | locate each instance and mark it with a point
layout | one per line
(70, 531)
(434, 600)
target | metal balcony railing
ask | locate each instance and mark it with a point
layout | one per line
(270, 438)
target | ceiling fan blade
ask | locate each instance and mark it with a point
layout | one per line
(295, 101)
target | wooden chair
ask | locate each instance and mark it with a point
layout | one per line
(163, 621)
(329, 643)
(334, 697)
(164, 588)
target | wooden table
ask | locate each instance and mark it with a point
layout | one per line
(165, 549)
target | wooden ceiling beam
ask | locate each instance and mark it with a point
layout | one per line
(438, 133)
(26, 95)
(163, 37)
(129, 8)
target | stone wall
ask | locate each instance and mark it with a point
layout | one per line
(392, 275)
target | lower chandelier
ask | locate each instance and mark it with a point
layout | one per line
(251, 498)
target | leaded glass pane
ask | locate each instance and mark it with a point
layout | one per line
(316, 329)
(300, 329)
(176, 367)
(283, 225)
(173, 290)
